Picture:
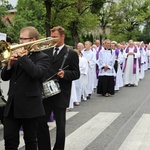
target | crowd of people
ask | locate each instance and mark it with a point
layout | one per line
(91, 67)
(106, 67)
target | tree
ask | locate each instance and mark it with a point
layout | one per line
(76, 16)
(104, 18)
(102, 9)
(145, 35)
(29, 13)
(2, 14)
(96, 6)
(48, 6)
(3, 10)
(6, 4)
(83, 20)
(127, 16)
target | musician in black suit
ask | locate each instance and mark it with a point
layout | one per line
(58, 103)
(24, 105)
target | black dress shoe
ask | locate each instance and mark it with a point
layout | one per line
(88, 97)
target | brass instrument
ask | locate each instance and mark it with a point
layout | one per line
(6, 49)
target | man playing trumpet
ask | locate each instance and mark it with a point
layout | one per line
(24, 105)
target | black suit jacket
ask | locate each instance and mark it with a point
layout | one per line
(71, 73)
(25, 90)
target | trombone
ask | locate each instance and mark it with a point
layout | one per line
(6, 49)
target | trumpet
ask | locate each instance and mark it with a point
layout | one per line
(6, 49)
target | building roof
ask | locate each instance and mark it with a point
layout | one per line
(6, 20)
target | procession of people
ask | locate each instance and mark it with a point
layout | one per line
(110, 66)
(89, 68)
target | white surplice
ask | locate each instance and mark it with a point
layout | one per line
(106, 77)
(148, 55)
(119, 74)
(73, 96)
(143, 61)
(89, 55)
(94, 69)
(128, 76)
(146, 60)
(106, 58)
(80, 84)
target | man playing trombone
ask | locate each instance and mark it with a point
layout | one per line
(24, 105)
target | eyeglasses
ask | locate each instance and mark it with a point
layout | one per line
(25, 38)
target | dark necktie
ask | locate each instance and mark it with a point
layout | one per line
(55, 53)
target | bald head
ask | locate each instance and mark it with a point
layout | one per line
(80, 46)
(97, 43)
(131, 43)
(88, 45)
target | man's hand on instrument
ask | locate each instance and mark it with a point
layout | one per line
(15, 54)
(22, 53)
(13, 58)
(61, 73)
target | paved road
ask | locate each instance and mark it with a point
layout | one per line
(119, 122)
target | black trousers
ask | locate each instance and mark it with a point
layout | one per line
(43, 129)
(11, 133)
(2, 113)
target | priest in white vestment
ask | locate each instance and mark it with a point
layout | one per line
(131, 65)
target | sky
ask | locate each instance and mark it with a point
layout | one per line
(13, 2)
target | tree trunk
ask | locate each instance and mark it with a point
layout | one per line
(48, 17)
(74, 33)
(103, 33)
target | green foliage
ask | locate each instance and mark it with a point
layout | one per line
(79, 17)
(127, 16)
(32, 12)
(87, 37)
(145, 35)
(97, 5)
(3, 10)
(6, 4)
(29, 13)
(74, 15)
